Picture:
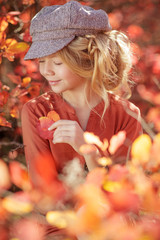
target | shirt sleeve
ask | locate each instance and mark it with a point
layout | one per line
(130, 122)
(40, 162)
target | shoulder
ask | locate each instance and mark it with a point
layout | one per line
(40, 105)
(123, 106)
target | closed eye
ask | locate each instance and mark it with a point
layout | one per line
(56, 63)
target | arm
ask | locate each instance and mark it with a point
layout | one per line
(130, 122)
(41, 166)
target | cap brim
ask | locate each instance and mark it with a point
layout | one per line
(44, 48)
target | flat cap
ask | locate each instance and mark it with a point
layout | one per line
(54, 27)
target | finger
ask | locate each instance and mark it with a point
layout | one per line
(65, 133)
(61, 122)
(61, 139)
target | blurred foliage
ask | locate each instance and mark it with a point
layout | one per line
(136, 214)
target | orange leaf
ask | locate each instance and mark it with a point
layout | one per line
(26, 81)
(34, 91)
(5, 182)
(116, 141)
(11, 19)
(10, 41)
(53, 115)
(28, 2)
(153, 115)
(19, 175)
(4, 122)
(3, 24)
(2, 37)
(14, 112)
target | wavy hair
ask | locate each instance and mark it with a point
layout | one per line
(103, 59)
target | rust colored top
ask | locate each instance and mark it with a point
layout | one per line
(120, 115)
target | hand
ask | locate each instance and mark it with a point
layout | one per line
(68, 131)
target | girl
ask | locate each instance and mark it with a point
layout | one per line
(85, 63)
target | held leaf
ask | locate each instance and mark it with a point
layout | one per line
(45, 122)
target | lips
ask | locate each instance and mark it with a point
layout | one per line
(54, 82)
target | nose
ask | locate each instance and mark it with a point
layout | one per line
(48, 68)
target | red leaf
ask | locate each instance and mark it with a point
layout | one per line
(26, 36)
(117, 173)
(96, 177)
(156, 66)
(3, 98)
(135, 31)
(26, 229)
(124, 200)
(115, 19)
(45, 122)
(42, 127)
(14, 78)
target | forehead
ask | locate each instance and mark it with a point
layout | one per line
(53, 56)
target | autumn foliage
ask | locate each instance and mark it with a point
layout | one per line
(112, 201)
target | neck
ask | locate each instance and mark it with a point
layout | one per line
(81, 99)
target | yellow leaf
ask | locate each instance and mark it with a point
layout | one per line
(103, 161)
(56, 218)
(90, 138)
(16, 206)
(26, 81)
(112, 186)
(19, 47)
(141, 149)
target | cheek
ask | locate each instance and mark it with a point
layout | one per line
(41, 70)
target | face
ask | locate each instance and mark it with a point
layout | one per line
(60, 77)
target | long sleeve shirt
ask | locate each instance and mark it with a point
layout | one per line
(119, 115)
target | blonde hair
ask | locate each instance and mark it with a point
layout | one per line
(103, 59)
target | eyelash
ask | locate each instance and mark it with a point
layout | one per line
(41, 61)
(57, 63)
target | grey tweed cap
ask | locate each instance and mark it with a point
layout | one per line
(54, 27)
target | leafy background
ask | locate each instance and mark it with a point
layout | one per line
(20, 81)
